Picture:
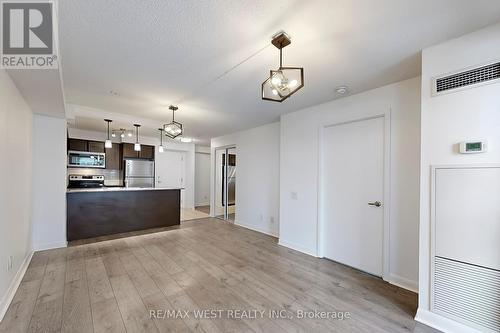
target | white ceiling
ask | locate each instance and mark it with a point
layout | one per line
(155, 53)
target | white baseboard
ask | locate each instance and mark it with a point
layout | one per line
(403, 283)
(49, 246)
(202, 204)
(256, 228)
(297, 247)
(441, 323)
(16, 281)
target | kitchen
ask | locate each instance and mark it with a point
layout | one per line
(120, 182)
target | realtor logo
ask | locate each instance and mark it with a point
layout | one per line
(27, 35)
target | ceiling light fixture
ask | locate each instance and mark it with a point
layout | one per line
(137, 146)
(108, 143)
(186, 140)
(285, 81)
(161, 148)
(122, 132)
(174, 128)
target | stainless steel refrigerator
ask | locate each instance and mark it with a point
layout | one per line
(139, 173)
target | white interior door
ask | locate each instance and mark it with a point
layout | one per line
(171, 170)
(352, 184)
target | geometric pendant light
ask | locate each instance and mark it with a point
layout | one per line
(284, 81)
(174, 128)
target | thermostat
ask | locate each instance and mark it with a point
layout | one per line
(473, 147)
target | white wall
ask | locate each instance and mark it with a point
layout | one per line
(452, 118)
(300, 164)
(189, 148)
(15, 186)
(202, 179)
(257, 176)
(49, 182)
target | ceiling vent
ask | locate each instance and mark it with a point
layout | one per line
(466, 79)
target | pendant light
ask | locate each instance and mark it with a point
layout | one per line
(137, 145)
(108, 143)
(174, 128)
(161, 148)
(285, 81)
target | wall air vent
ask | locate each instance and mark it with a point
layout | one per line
(467, 79)
(467, 293)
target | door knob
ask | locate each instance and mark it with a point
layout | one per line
(376, 203)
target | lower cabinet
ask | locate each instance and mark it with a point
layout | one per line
(99, 213)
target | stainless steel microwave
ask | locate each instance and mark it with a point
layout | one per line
(83, 159)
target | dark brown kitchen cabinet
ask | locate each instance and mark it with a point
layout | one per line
(147, 152)
(77, 144)
(96, 147)
(128, 151)
(113, 157)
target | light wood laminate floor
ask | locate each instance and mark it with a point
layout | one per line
(111, 286)
(192, 214)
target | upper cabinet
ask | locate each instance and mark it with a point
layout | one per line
(147, 152)
(96, 147)
(77, 144)
(115, 154)
(85, 145)
(128, 151)
(113, 157)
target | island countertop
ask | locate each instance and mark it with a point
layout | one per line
(120, 189)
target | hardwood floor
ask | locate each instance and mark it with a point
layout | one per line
(113, 285)
(204, 209)
(192, 214)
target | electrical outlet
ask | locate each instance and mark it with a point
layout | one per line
(10, 264)
(272, 219)
(261, 217)
(294, 195)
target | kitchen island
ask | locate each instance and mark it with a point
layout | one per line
(106, 211)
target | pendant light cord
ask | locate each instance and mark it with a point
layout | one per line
(217, 78)
(281, 56)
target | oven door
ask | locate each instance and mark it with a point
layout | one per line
(81, 159)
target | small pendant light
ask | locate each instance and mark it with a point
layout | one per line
(108, 143)
(137, 146)
(161, 149)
